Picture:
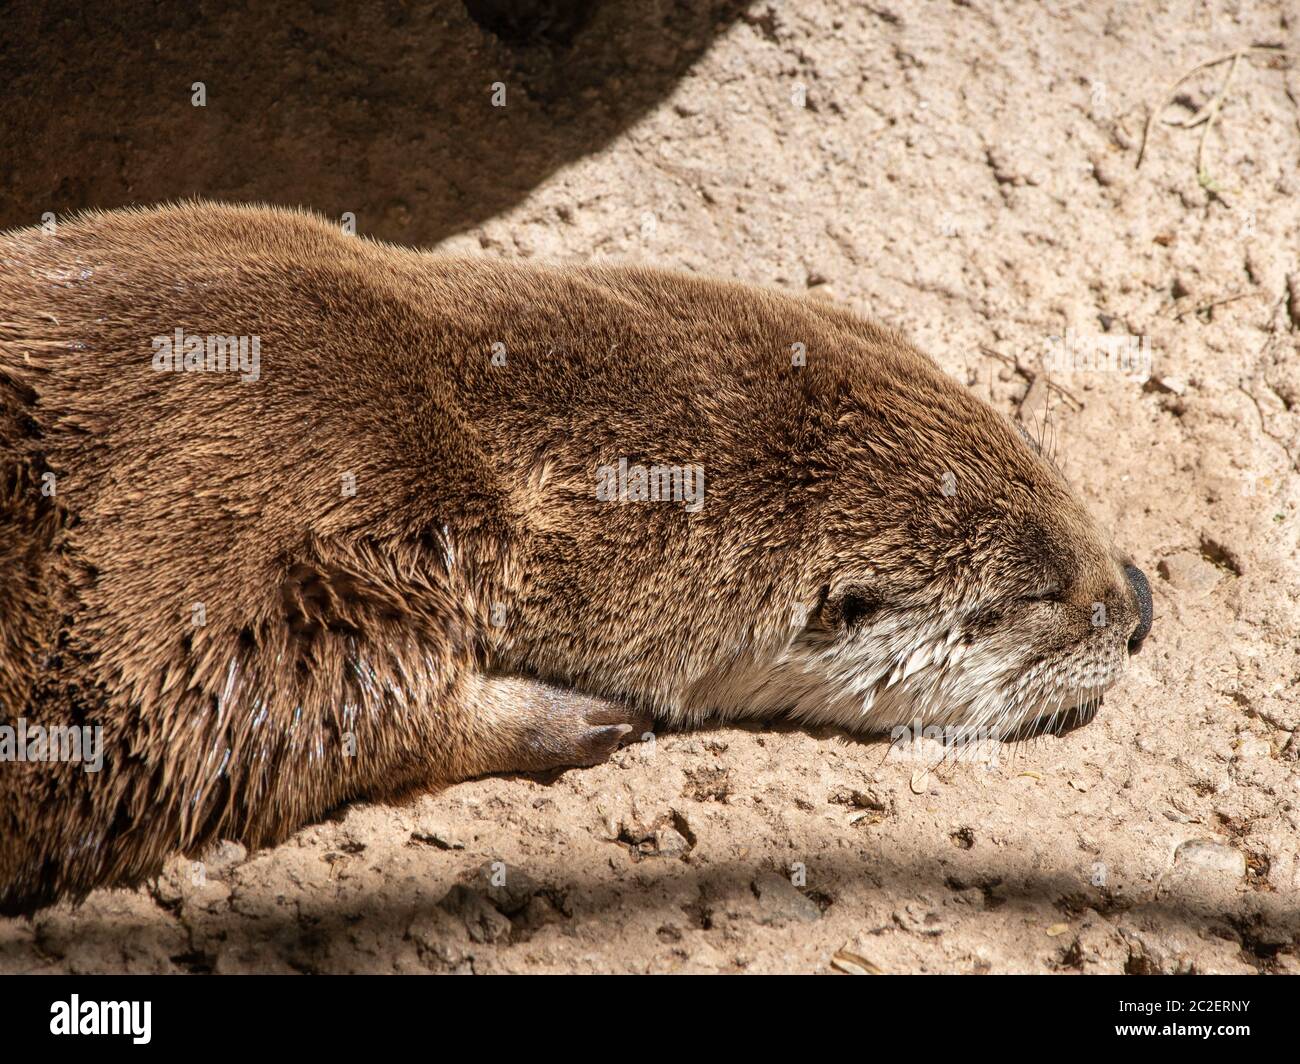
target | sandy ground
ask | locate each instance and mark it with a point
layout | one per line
(966, 171)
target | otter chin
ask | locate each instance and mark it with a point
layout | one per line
(294, 518)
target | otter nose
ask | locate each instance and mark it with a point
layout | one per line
(1137, 580)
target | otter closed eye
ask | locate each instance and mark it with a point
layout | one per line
(856, 608)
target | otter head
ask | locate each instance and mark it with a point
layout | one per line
(964, 584)
(955, 580)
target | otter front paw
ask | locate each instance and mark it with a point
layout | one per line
(570, 729)
(520, 724)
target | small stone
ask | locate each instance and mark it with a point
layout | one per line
(1189, 573)
(1166, 384)
(1149, 954)
(920, 919)
(1212, 856)
(440, 937)
(781, 900)
(1251, 748)
(515, 889)
(482, 920)
(669, 842)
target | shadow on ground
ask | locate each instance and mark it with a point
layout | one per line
(300, 936)
(383, 110)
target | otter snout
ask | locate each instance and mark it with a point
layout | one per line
(1137, 580)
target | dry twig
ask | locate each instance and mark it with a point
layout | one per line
(1031, 375)
(1209, 112)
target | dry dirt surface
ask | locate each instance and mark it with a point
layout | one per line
(967, 171)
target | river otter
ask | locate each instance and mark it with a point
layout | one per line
(290, 517)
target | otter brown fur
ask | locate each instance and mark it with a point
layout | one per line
(181, 562)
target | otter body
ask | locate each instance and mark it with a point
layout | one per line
(293, 517)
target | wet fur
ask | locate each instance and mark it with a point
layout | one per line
(474, 555)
